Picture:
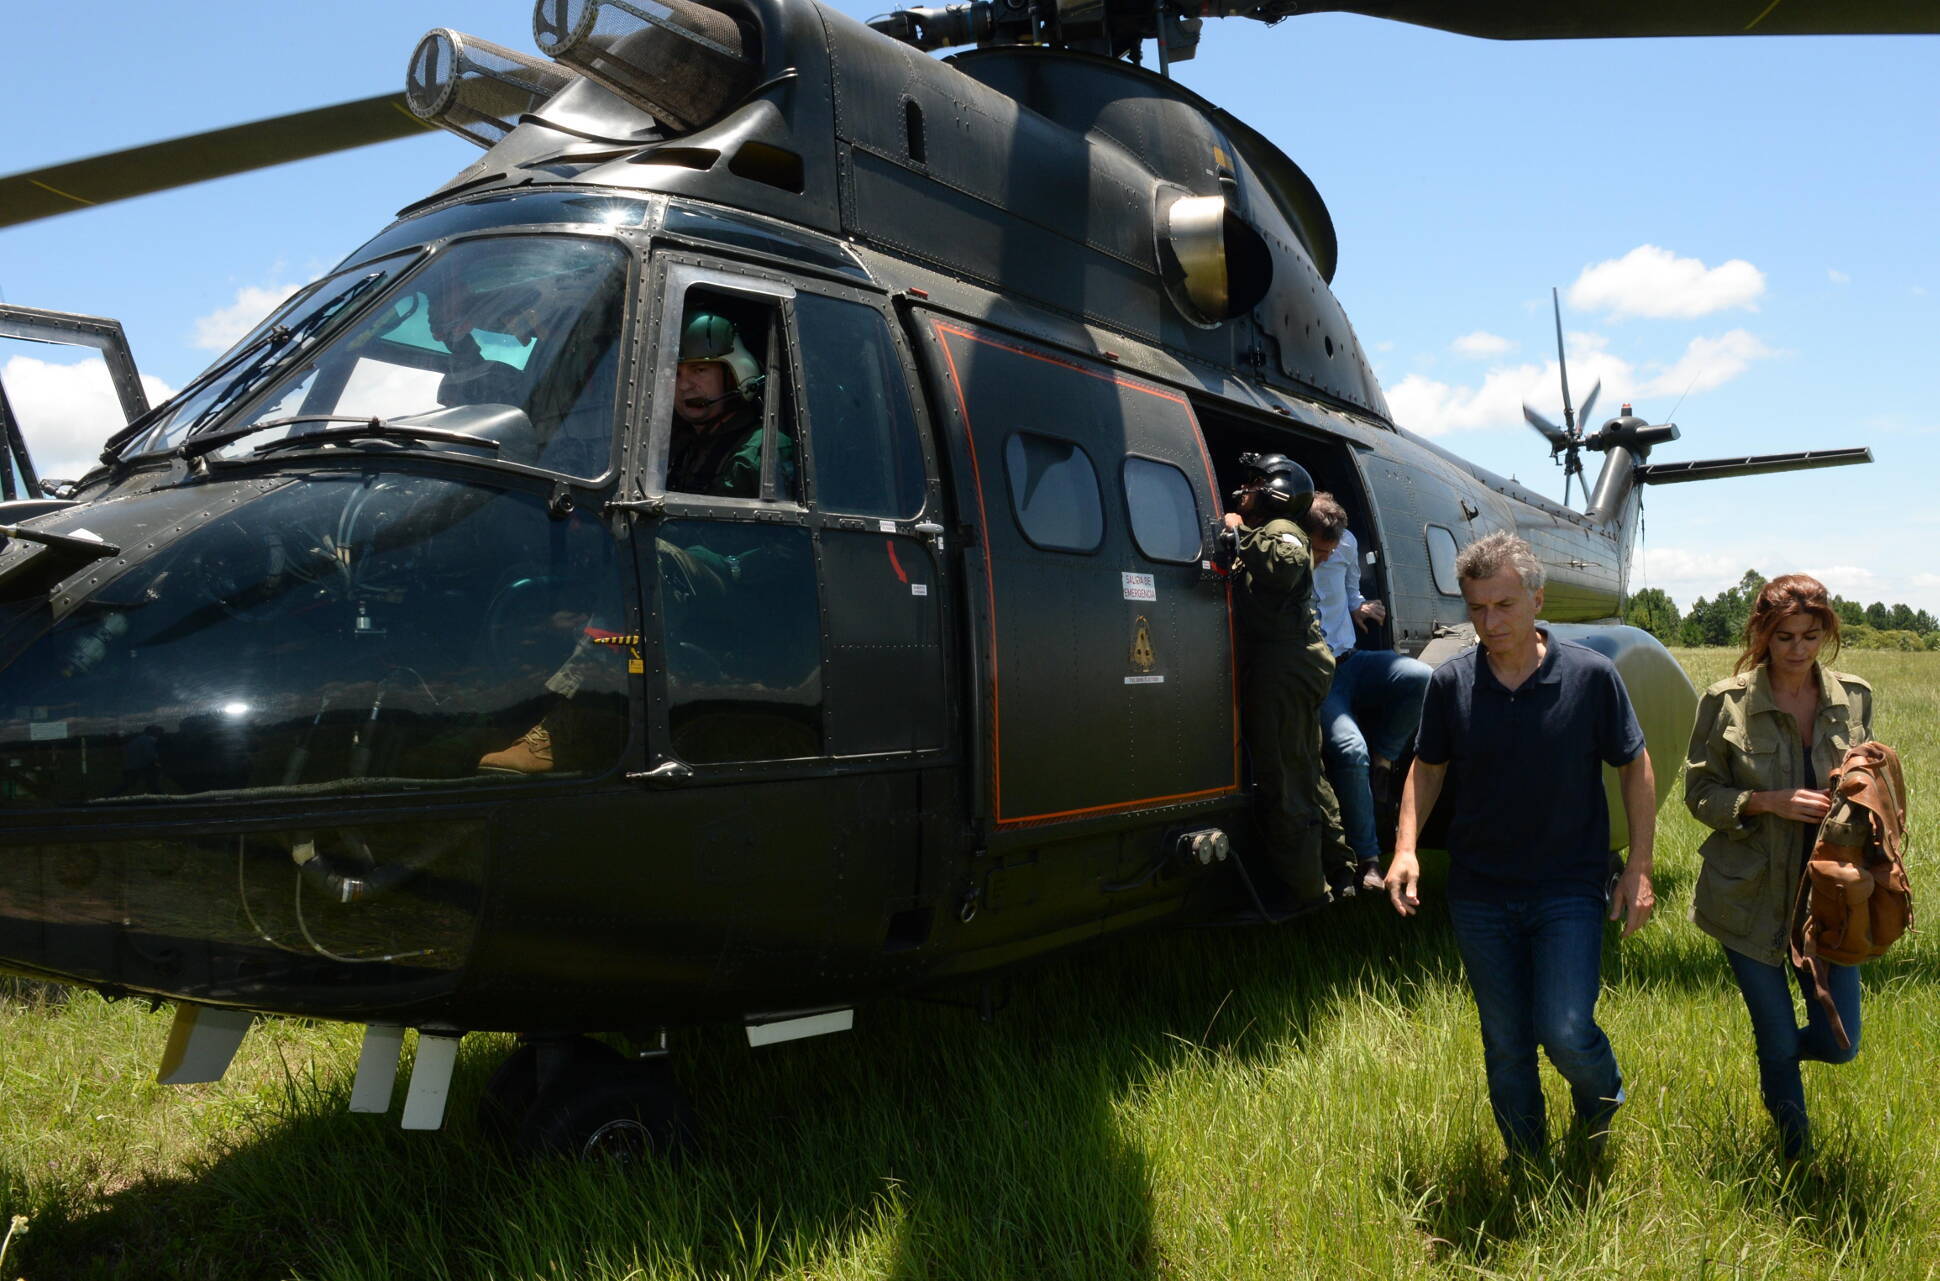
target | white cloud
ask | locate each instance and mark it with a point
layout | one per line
(1684, 573)
(1481, 345)
(1707, 363)
(1435, 408)
(1688, 573)
(66, 411)
(1837, 276)
(220, 329)
(1649, 281)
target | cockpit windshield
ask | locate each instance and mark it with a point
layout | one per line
(514, 339)
(245, 368)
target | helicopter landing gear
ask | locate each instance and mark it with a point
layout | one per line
(581, 1099)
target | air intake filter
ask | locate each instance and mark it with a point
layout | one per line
(475, 88)
(682, 62)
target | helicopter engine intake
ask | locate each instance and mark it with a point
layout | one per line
(686, 67)
(477, 89)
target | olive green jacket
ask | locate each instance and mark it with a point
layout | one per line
(1742, 743)
(1273, 596)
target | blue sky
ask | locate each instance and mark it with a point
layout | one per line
(1745, 230)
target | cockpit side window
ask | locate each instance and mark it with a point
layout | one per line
(861, 427)
(730, 429)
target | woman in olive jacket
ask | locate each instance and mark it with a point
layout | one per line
(1764, 742)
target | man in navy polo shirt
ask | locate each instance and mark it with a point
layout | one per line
(1521, 727)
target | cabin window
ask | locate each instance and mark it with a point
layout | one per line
(744, 640)
(1441, 560)
(1165, 516)
(1054, 493)
(861, 427)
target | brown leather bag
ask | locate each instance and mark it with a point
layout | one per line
(1854, 900)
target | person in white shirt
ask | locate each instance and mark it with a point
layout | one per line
(1374, 705)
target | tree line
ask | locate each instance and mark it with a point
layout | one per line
(1721, 619)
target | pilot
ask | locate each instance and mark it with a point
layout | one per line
(714, 449)
(458, 316)
(716, 444)
(1285, 670)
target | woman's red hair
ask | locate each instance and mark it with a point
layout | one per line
(1784, 596)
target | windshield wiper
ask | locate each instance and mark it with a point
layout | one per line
(112, 447)
(360, 428)
(291, 337)
(365, 429)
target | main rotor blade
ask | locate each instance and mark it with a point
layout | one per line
(1589, 405)
(1595, 19)
(178, 162)
(1556, 436)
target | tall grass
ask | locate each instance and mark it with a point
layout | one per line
(1296, 1102)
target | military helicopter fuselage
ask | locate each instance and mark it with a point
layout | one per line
(952, 689)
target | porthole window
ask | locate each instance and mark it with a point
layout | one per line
(1165, 516)
(1054, 493)
(1441, 560)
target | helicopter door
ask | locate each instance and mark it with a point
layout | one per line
(1104, 649)
(794, 662)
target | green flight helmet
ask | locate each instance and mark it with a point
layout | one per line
(710, 336)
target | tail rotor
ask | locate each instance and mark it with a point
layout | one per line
(1565, 442)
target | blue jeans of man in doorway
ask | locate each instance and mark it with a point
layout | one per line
(1371, 710)
(1535, 967)
(1782, 1044)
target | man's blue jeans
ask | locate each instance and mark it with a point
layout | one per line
(1782, 1044)
(1535, 967)
(1371, 709)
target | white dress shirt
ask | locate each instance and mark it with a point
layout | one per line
(1337, 593)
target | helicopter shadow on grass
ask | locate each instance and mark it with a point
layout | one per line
(923, 1142)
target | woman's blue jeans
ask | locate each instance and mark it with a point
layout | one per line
(1535, 966)
(1782, 1044)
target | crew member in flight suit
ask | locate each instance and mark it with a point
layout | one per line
(715, 449)
(1285, 670)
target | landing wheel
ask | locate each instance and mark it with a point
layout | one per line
(628, 1111)
(515, 1087)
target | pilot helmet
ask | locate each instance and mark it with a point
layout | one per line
(710, 336)
(1283, 482)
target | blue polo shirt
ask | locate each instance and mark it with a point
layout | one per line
(1525, 771)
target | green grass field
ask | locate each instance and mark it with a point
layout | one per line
(1306, 1101)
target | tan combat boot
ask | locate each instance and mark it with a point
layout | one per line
(532, 754)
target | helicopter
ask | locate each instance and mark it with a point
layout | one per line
(1012, 317)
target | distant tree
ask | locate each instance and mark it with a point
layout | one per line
(1708, 623)
(1721, 620)
(1851, 613)
(1877, 615)
(1653, 610)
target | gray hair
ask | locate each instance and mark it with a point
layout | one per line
(1490, 555)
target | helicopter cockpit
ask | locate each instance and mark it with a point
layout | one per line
(386, 581)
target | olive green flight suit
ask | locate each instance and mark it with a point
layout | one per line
(1286, 668)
